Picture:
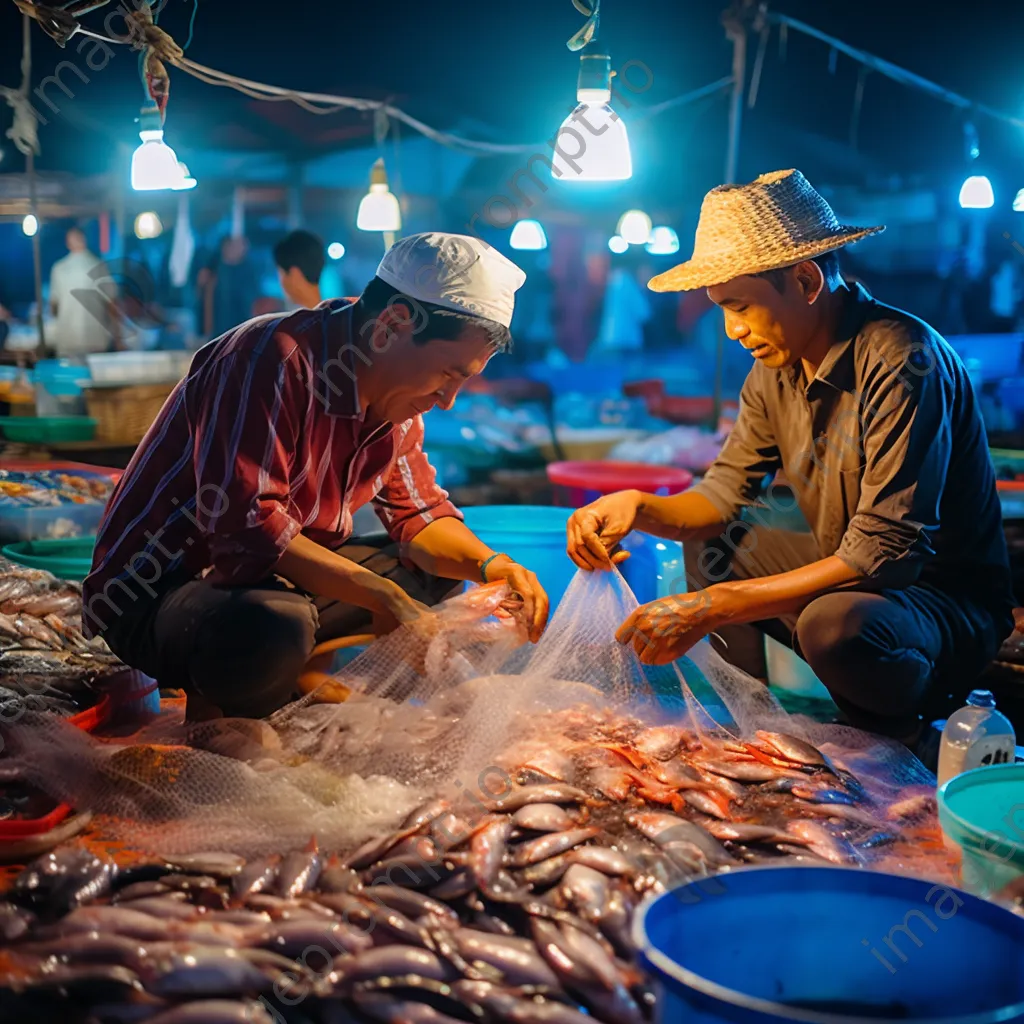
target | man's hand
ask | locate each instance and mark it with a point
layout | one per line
(533, 609)
(404, 611)
(664, 630)
(594, 530)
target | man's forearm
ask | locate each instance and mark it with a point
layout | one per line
(325, 573)
(449, 549)
(687, 516)
(787, 593)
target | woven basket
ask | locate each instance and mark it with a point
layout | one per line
(123, 415)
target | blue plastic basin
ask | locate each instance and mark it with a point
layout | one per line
(531, 534)
(831, 946)
(535, 536)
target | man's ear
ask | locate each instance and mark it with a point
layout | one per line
(810, 280)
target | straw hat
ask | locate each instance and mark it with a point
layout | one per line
(777, 221)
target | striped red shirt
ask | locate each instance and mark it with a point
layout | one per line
(263, 440)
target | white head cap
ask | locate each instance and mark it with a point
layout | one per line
(456, 272)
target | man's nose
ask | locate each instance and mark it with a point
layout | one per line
(735, 328)
(447, 395)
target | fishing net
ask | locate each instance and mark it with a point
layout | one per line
(465, 710)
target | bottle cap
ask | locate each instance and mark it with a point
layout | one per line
(981, 699)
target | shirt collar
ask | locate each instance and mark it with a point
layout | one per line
(837, 368)
(339, 360)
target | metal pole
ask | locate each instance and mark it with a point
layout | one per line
(37, 262)
(738, 34)
(30, 170)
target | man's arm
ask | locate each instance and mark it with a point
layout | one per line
(418, 514)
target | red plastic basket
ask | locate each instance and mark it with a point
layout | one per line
(584, 482)
(88, 720)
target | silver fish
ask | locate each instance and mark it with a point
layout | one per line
(822, 842)
(166, 907)
(86, 981)
(791, 748)
(90, 948)
(487, 851)
(517, 959)
(220, 865)
(549, 871)
(122, 920)
(554, 793)
(335, 878)
(750, 771)
(387, 962)
(291, 938)
(550, 845)
(14, 922)
(223, 973)
(214, 1011)
(553, 947)
(586, 890)
(299, 871)
(542, 818)
(601, 858)
(140, 890)
(413, 904)
(660, 742)
(704, 803)
(256, 877)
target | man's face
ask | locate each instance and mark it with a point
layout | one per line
(75, 240)
(423, 373)
(773, 327)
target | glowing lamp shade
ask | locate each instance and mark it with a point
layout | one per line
(528, 234)
(618, 244)
(635, 227)
(30, 225)
(378, 209)
(335, 250)
(976, 193)
(148, 225)
(664, 241)
(592, 145)
(154, 165)
(187, 181)
(1018, 202)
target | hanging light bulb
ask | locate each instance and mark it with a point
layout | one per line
(976, 193)
(30, 225)
(1018, 202)
(618, 244)
(378, 209)
(664, 241)
(635, 227)
(148, 225)
(154, 164)
(335, 250)
(528, 234)
(187, 181)
(592, 143)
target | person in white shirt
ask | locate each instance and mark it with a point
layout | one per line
(82, 299)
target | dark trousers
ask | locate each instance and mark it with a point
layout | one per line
(886, 658)
(242, 649)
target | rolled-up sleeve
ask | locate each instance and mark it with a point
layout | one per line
(246, 428)
(749, 455)
(411, 498)
(907, 442)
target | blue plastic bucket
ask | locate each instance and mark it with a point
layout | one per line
(831, 946)
(535, 536)
(982, 812)
(531, 534)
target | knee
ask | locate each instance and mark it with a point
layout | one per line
(832, 631)
(263, 641)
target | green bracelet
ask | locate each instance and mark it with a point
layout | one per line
(483, 568)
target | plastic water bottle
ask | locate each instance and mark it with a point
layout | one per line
(974, 736)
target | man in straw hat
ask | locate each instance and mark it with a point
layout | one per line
(902, 585)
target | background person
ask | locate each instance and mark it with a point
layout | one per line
(82, 300)
(902, 587)
(300, 265)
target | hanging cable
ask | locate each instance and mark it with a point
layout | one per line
(191, 24)
(24, 131)
(858, 103)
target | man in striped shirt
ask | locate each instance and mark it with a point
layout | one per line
(222, 556)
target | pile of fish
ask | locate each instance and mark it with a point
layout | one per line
(46, 663)
(48, 488)
(511, 904)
